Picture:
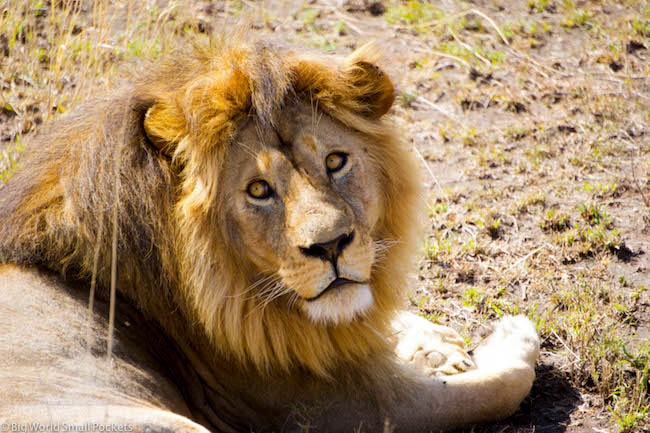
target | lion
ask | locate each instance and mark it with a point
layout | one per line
(260, 210)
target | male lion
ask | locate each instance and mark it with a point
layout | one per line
(265, 213)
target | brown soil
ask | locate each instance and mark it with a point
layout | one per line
(537, 154)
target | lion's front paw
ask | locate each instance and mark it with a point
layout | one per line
(435, 349)
(514, 339)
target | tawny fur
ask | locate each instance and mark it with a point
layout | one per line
(172, 238)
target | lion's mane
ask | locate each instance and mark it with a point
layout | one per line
(156, 149)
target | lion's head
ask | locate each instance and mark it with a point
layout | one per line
(292, 201)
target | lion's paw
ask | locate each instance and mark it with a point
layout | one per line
(514, 338)
(434, 349)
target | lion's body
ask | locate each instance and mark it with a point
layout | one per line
(259, 312)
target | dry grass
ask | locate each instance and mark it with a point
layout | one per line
(531, 117)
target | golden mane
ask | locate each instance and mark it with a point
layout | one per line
(174, 242)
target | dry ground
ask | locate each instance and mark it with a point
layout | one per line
(532, 119)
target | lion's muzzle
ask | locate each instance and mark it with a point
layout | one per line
(329, 250)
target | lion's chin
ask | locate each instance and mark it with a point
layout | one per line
(341, 305)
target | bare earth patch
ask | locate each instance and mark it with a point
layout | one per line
(532, 121)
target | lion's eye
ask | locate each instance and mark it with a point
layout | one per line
(335, 161)
(259, 189)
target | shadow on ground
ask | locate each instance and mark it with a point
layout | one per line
(547, 409)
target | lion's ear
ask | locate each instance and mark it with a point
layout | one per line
(164, 127)
(376, 92)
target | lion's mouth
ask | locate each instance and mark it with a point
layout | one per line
(338, 282)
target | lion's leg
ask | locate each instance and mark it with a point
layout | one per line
(504, 374)
(416, 402)
(435, 349)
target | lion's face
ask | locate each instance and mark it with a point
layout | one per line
(292, 220)
(305, 201)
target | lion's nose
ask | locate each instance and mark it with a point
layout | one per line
(329, 250)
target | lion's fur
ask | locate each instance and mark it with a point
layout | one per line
(58, 208)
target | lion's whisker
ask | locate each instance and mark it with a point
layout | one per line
(381, 248)
(258, 130)
(271, 293)
(279, 290)
(292, 300)
(377, 333)
(247, 149)
(255, 284)
(269, 288)
(266, 290)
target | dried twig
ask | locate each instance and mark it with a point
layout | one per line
(435, 107)
(526, 257)
(449, 56)
(578, 359)
(426, 165)
(644, 196)
(469, 47)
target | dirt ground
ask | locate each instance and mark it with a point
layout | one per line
(532, 122)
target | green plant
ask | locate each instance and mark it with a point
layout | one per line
(412, 12)
(579, 18)
(553, 222)
(8, 159)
